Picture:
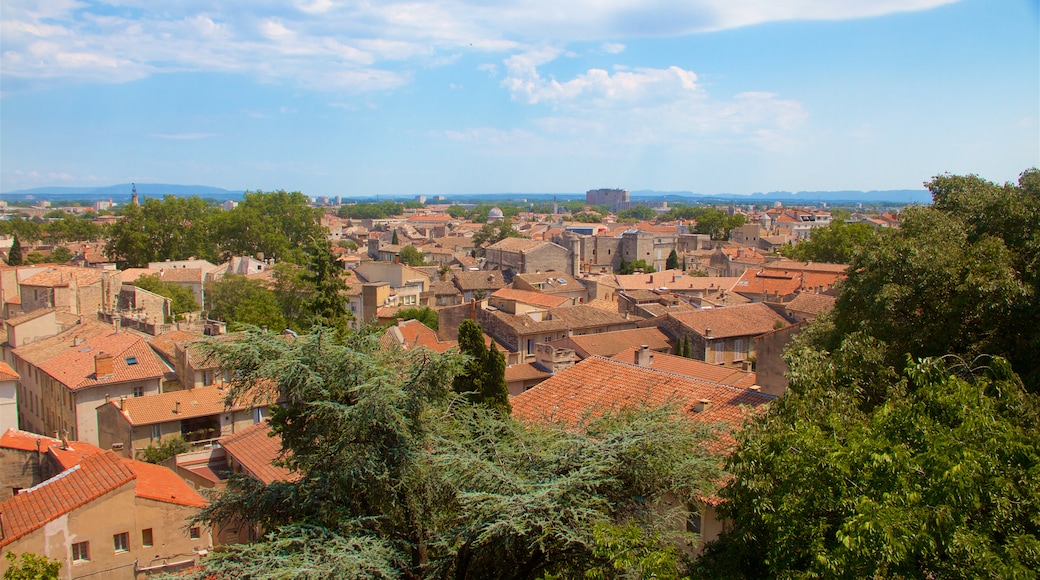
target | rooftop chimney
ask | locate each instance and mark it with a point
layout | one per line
(701, 406)
(102, 365)
(643, 356)
(707, 332)
(177, 407)
(122, 402)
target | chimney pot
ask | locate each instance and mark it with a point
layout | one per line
(701, 405)
(177, 407)
(102, 365)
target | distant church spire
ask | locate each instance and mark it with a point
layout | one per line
(133, 198)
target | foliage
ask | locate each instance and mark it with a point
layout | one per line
(709, 220)
(587, 217)
(425, 315)
(166, 449)
(31, 567)
(962, 277)
(369, 211)
(348, 244)
(860, 473)
(480, 213)
(394, 239)
(35, 257)
(274, 225)
(835, 243)
(632, 267)
(493, 233)
(71, 228)
(456, 211)
(182, 298)
(411, 256)
(639, 212)
(326, 306)
(672, 263)
(400, 477)
(171, 228)
(633, 552)
(14, 254)
(243, 301)
(25, 230)
(483, 379)
(60, 255)
(294, 292)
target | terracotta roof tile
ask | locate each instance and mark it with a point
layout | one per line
(740, 320)
(164, 343)
(62, 275)
(598, 384)
(159, 483)
(255, 449)
(525, 372)
(691, 368)
(811, 304)
(530, 297)
(673, 280)
(44, 350)
(25, 441)
(7, 373)
(608, 344)
(132, 360)
(517, 245)
(468, 280)
(163, 407)
(412, 333)
(59, 495)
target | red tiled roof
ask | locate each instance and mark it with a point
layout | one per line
(159, 483)
(75, 368)
(783, 282)
(694, 369)
(811, 304)
(62, 275)
(516, 245)
(530, 297)
(70, 489)
(7, 373)
(740, 320)
(255, 449)
(25, 441)
(72, 454)
(164, 407)
(412, 333)
(525, 372)
(597, 384)
(164, 343)
(609, 344)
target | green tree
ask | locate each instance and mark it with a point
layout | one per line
(378, 210)
(635, 265)
(327, 304)
(399, 477)
(14, 255)
(412, 256)
(425, 315)
(672, 263)
(182, 298)
(835, 243)
(456, 211)
(242, 301)
(394, 239)
(294, 292)
(492, 234)
(35, 257)
(484, 378)
(165, 450)
(31, 567)
(60, 255)
(639, 212)
(932, 480)
(275, 225)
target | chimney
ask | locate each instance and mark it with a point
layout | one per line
(701, 406)
(643, 356)
(177, 407)
(755, 388)
(707, 332)
(122, 402)
(102, 365)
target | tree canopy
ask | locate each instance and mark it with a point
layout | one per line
(399, 477)
(836, 243)
(181, 297)
(239, 300)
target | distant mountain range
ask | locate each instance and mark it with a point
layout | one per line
(121, 194)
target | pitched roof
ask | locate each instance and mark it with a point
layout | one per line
(674, 280)
(164, 343)
(25, 441)
(132, 360)
(33, 508)
(255, 449)
(517, 245)
(16, 320)
(468, 280)
(38, 352)
(183, 275)
(175, 405)
(598, 384)
(62, 275)
(530, 297)
(7, 373)
(812, 304)
(694, 369)
(525, 372)
(409, 334)
(608, 344)
(159, 483)
(740, 320)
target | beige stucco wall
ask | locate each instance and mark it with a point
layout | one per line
(88, 400)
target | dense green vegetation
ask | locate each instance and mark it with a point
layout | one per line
(483, 379)
(836, 243)
(275, 225)
(371, 211)
(908, 445)
(426, 315)
(182, 299)
(710, 220)
(634, 266)
(400, 477)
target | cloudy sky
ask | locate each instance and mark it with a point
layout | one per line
(395, 97)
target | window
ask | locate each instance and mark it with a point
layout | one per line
(121, 542)
(194, 533)
(530, 346)
(156, 432)
(693, 521)
(207, 378)
(720, 351)
(146, 537)
(138, 391)
(81, 552)
(738, 349)
(258, 415)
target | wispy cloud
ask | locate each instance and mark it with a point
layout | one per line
(351, 47)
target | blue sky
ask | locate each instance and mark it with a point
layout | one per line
(471, 96)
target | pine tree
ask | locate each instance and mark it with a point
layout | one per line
(394, 239)
(672, 262)
(484, 378)
(14, 255)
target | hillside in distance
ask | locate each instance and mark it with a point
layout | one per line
(119, 193)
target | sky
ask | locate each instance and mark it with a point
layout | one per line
(395, 98)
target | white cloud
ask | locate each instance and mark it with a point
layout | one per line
(118, 40)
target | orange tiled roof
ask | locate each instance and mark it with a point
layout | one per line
(159, 483)
(598, 384)
(255, 449)
(7, 373)
(694, 369)
(608, 344)
(31, 509)
(517, 245)
(132, 360)
(75, 452)
(530, 297)
(412, 333)
(739, 320)
(673, 280)
(525, 372)
(811, 303)
(163, 407)
(25, 441)
(62, 275)
(164, 343)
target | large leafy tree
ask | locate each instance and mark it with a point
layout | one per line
(493, 233)
(836, 243)
(276, 225)
(241, 300)
(399, 477)
(961, 277)
(171, 228)
(182, 299)
(412, 256)
(938, 480)
(426, 315)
